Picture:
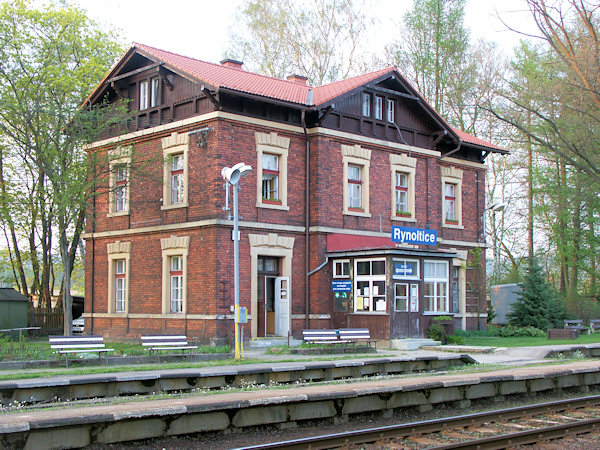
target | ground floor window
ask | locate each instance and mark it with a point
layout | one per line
(435, 284)
(369, 286)
(176, 284)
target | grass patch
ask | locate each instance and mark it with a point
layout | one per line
(527, 341)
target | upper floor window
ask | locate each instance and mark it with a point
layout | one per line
(390, 111)
(402, 194)
(270, 178)
(154, 92)
(354, 186)
(143, 95)
(366, 105)
(450, 202)
(120, 188)
(378, 108)
(177, 178)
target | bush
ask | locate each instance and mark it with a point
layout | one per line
(456, 340)
(441, 318)
(437, 332)
(510, 330)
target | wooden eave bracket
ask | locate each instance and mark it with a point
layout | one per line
(212, 96)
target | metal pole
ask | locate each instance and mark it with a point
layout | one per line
(236, 270)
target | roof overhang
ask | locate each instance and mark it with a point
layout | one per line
(392, 252)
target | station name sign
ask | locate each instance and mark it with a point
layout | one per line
(419, 236)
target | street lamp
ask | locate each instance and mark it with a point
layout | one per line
(232, 175)
(494, 208)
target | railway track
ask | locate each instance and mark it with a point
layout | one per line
(486, 430)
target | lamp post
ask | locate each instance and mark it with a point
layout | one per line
(494, 208)
(232, 175)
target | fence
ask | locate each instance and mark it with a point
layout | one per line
(50, 320)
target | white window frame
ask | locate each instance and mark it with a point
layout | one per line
(338, 268)
(371, 279)
(120, 284)
(118, 251)
(416, 276)
(359, 156)
(378, 107)
(119, 157)
(174, 145)
(176, 283)
(154, 92)
(144, 95)
(402, 163)
(270, 175)
(454, 176)
(355, 181)
(391, 110)
(435, 281)
(272, 144)
(366, 104)
(407, 296)
(177, 178)
(174, 246)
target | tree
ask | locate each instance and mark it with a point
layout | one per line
(318, 39)
(538, 305)
(51, 59)
(434, 45)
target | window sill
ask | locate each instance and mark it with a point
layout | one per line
(438, 313)
(278, 206)
(174, 206)
(118, 214)
(455, 226)
(403, 219)
(356, 213)
(117, 315)
(367, 313)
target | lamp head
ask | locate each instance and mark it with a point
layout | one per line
(233, 174)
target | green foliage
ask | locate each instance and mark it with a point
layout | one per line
(538, 305)
(437, 332)
(491, 313)
(441, 318)
(456, 340)
(510, 330)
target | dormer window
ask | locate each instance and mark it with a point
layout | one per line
(143, 95)
(366, 104)
(390, 111)
(154, 92)
(378, 108)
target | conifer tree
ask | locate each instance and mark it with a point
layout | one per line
(539, 304)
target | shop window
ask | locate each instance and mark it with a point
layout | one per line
(435, 277)
(391, 112)
(175, 176)
(341, 269)
(366, 105)
(378, 108)
(270, 178)
(401, 297)
(370, 286)
(272, 152)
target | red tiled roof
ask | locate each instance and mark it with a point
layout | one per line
(232, 78)
(470, 139)
(252, 83)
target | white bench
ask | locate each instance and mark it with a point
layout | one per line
(576, 324)
(65, 345)
(171, 342)
(355, 335)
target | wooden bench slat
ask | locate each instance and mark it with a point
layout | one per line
(167, 342)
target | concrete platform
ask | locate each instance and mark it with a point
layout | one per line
(412, 343)
(120, 422)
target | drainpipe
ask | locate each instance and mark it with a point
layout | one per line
(306, 223)
(451, 151)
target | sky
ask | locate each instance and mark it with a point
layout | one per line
(200, 28)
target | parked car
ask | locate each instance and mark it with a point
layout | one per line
(78, 325)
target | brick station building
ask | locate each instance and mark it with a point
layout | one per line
(364, 208)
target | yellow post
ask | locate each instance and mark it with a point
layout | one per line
(237, 332)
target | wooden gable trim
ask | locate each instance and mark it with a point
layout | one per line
(133, 72)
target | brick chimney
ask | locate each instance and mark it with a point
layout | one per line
(298, 79)
(232, 63)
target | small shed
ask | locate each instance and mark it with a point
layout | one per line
(14, 309)
(503, 296)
